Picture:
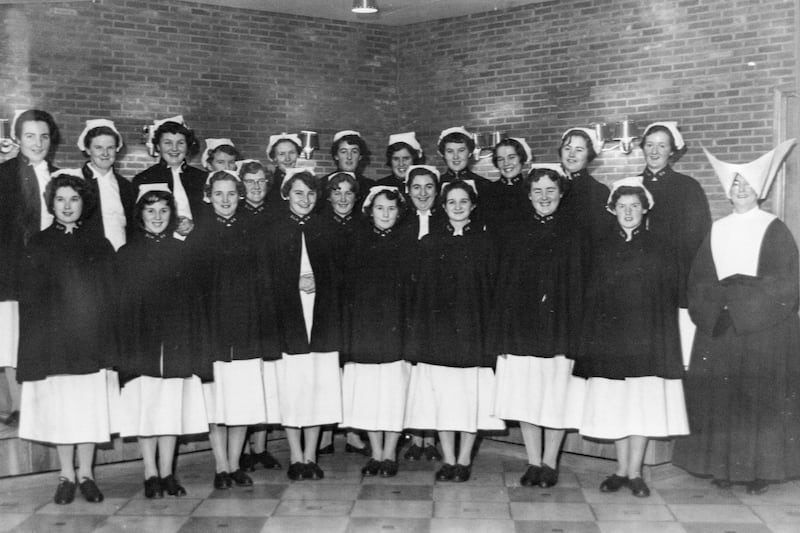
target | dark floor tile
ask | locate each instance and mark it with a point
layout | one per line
(706, 527)
(395, 492)
(258, 492)
(228, 524)
(393, 525)
(525, 526)
(127, 490)
(553, 494)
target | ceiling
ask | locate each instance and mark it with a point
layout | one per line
(392, 12)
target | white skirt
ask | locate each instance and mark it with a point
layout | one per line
(9, 333)
(67, 409)
(539, 390)
(269, 373)
(153, 406)
(374, 395)
(310, 389)
(236, 396)
(447, 398)
(646, 406)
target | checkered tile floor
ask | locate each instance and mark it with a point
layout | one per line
(412, 501)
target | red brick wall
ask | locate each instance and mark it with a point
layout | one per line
(535, 71)
(241, 74)
(532, 71)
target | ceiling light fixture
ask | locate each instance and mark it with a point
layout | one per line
(364, 6)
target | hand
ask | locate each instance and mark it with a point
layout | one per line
(185, 226)
(307, 283)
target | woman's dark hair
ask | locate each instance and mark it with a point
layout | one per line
(151, 197)
(308, 179)
(271, 153)
(591, 155)
(396, 147)
(253, 167)
(355, 140)
(78, 185)
(222, 175)
(225, 149)
(664, 129)
(422, 172)
(97, 132)
(337, 179)
(175, 128)
(397, 197)
(37, 115)
(538, 173)
(628, 190)
(462, 185)
(456, 137)
(523, 157)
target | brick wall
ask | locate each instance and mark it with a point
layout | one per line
(535, 71)
(531, 71)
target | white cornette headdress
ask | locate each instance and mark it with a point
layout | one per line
(759, 174)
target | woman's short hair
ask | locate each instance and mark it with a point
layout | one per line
(37, 115)
(337, 179)
(459, 185)
(79, 185)
(306, 178)
(225, 149)
(456, 137)
(222, 175)
(151, 197)
(176, 128)
(421, 172)
(656, 129)
(396, 147)
(523, 157)
(538, 173)
(591, 155)
(356, 140)
(254, 167)
(271, 153)
(628, 190)
(398, 198)
(97, 132)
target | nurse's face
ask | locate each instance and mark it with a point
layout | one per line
(285, 154)
(545, 196)
(301, 198)
(225, 197)
(401, 160)
(743, 196)
(508, 162)
(223, 161)
(102, 152)
(574, 154)
(34, 140)
(456, 156)
(343, 199)
(629, 211)
(156, 216)
(256, 188)
(458, 206)
(422, 191)
(173, 148)
(67, 206)
(384, 212)
(347, 157)
(657, 150)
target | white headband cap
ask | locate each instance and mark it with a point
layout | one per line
(375, 191)
(242, 162)
(213, 144)
(17, 113)
(527, 149)
(150, 187)
(339, 134)
(96, 123)
(672, 126)
(410, 138)
(157, 124)
(455, 129)
(291, 172)
(759, 174)
(633, 181)
(447, 185)
(596, 143)
(206, 198)
(74, 172)
(275, 139)
(555, 167)
(348, 173)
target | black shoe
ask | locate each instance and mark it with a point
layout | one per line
(296, 471)
(12, 420)
(371, 469)
(531, 477)
(759, 486)
(313, 471)
(639, 488)
(172, 487)
(267, 460)
(722, 483)
(90, 491)
(152, 488)
(446, 473)
(222, 481)
(413, 453)
(247, 462)
(462, 473)
(327, 450)
(613, 483)
(65, 492)
(364, 450)
(432, 453)
(549, 477)
(241, 479)
(388, 468)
